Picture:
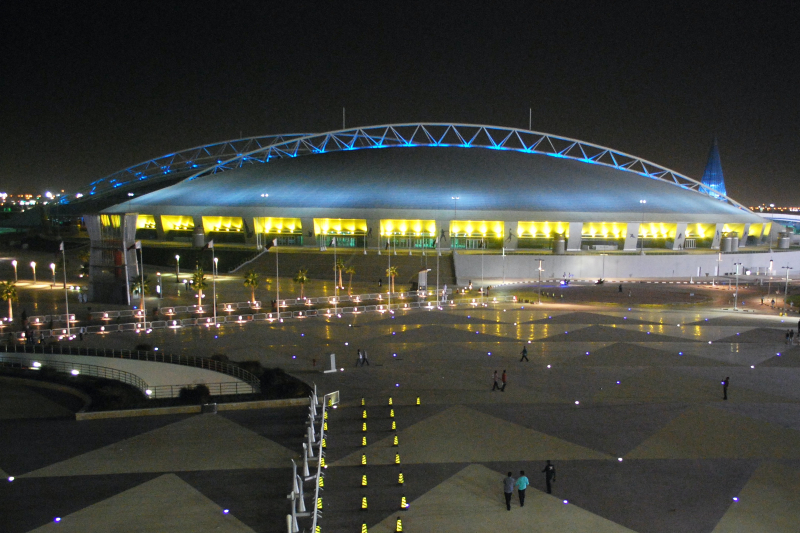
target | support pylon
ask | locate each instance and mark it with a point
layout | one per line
(400, 479)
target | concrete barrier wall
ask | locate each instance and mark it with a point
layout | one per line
(494, 269)
(192, 409)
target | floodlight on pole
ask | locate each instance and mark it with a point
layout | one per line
(455, 205)
(540, 279)
(53, 270)
(736, 294)
(786, 289)
(642, 203)
(33, 267)
(14, 264)
(177, 268)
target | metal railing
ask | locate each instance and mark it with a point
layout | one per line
(76, 369)
(138, 355)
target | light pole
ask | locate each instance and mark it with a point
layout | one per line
(719, 265)
(455, 205)
(786, 289)
(33, 267)
(642, 203)
(604, 265)
(540, 280)
(53, 270)
(159, 289)
(14, 264)
(277, 279)
(736, 294)
(177, 268)
(769, 285)
(66, 293)
(215, 259)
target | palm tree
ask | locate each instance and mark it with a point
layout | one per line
(199, 284)
(301, 277)
(251, 280)
(350, 270)
(8, 292)
(391, 272)
(339, 267)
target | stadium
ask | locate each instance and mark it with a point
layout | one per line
(424, 188)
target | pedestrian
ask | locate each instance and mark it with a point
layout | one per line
(380, 282)
(366, 360)
(360, 360)
(787, 336)
(725, 388)
(549, 476)
(524, 354)
(620, 287)
(496, 382)
(773, 303)
(508, 489)
(522, 484)
(82, 331)
(505, 379)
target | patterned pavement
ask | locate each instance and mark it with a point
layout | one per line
(626, 403)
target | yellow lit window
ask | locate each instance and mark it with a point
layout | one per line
(410, 228)
(145, 222)
(177, 223)
(529, 229)
(278, 225)
(222, 224)
(340, 226)
(476, 228)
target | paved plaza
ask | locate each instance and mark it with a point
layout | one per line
(626, 403)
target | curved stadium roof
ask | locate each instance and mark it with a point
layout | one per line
(419, 167)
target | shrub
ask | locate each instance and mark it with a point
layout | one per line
(144, 347)
(197, 395)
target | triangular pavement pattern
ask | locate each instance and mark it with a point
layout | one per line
(444, 333)
(788, 359)
(757, 335)
(608, 334)
(626, 354)
(665, 385)
(438, 317)
(614, 429)
(461, 434)
(709, 433)
(770, 501)
(19, 401)
(166, 503)
(472, 501)
(582, 317)
(203, 442)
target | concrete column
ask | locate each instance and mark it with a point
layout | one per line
(717, 236)
(632, 236)
(574, 241)
(373, 233)
(743, 238)
(199, 232)
(309, 238)
(680, 236)
(511, 239)
(444, 239)
(160, 233)
(248, 225)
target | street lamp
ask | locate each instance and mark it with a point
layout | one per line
(769, 284)
(158, 285)
(719, 264)
(177, 268)
(642, 203)
(540, 279)
(53, 270)
(736, 294)
(604, 265)
(455, 205)
(786, 289)
(14, 264)
(33, 266)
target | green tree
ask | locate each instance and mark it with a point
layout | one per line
(301, 277)
(350, 270)
(8, 292)
(252, 281)
(391, 272)
(199, 284)
(339, 267)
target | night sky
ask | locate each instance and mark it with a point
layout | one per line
(86, 90)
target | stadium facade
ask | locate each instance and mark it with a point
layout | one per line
(422, 186)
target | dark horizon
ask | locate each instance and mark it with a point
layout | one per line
(89, 91)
